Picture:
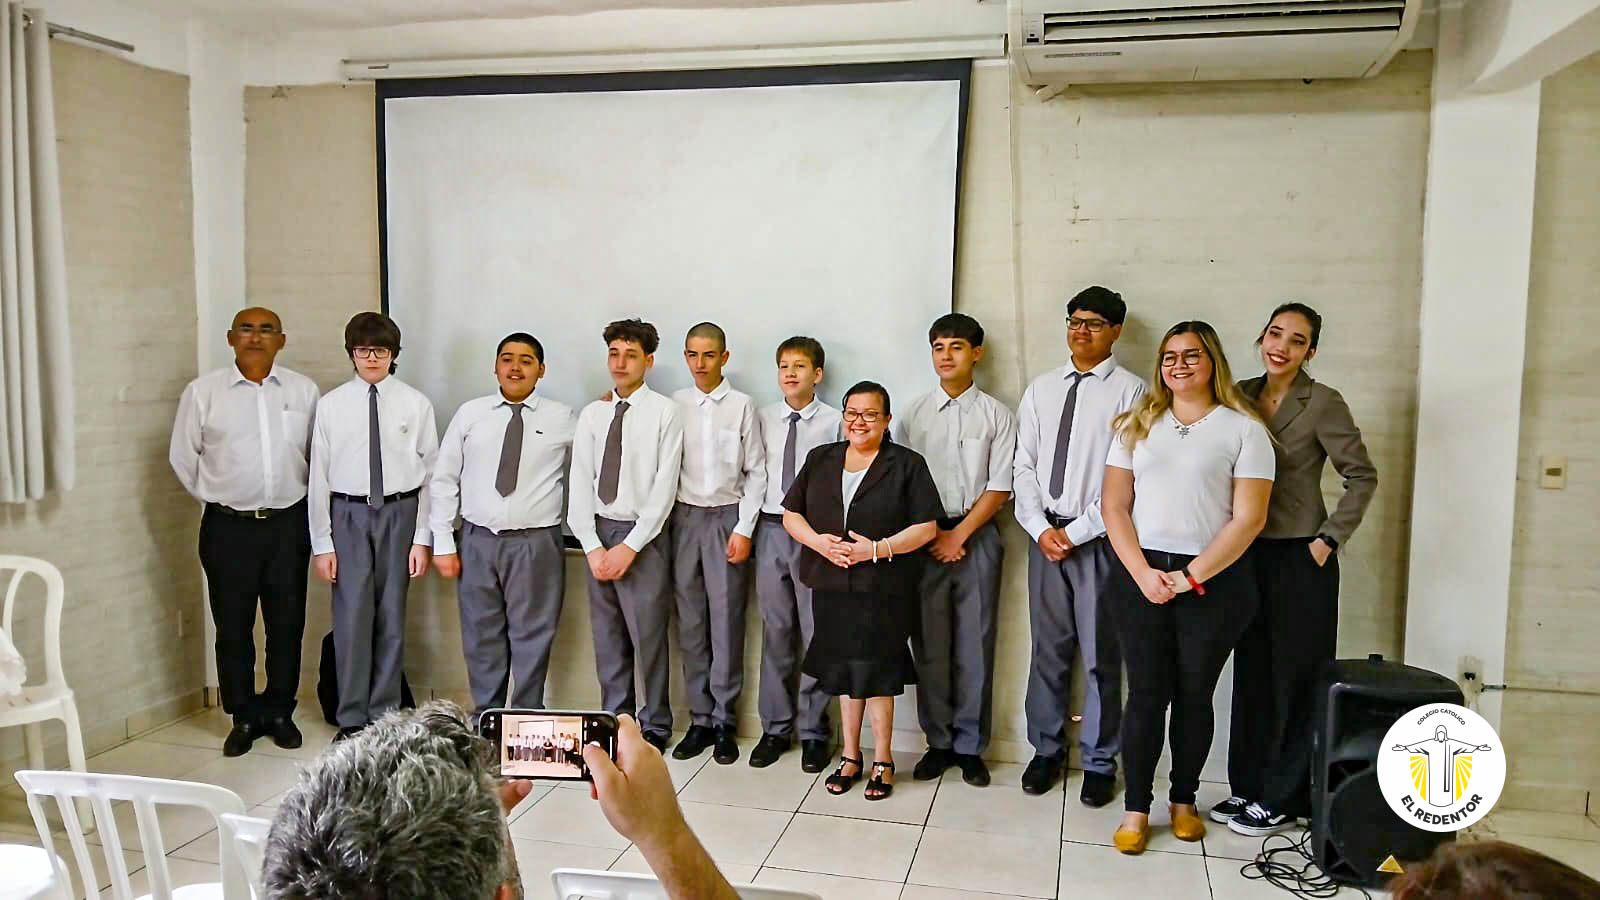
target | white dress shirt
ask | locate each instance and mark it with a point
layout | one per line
(469, 461)
(1105, 391)
(409, 441)
(723, 459)
(243, 444)
(818, 424)
(647, 482)
(968, 442)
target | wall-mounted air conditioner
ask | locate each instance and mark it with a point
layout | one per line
(1055, 42)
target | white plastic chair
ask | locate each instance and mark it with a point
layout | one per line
(65, 788)
(246, 838)
(27, 873)
(573, 883)
(51, 698)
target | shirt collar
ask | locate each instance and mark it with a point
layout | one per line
(272, 375)
(965, 399)
(383, 386)
(632, 399)
(716, 394)
(1100, 371)
(529, 403)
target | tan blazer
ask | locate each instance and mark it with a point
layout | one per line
(1314, 424)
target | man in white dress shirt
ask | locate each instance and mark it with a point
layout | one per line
(967, 438)
(371, 451)
(720, 488)
(501, 467)
(241, 445)
(790, 700)
(1064, 434)
(625, 461)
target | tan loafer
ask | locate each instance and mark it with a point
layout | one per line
(1130, 841)
(1186, 826)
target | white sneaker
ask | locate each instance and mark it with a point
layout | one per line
(1258, 821)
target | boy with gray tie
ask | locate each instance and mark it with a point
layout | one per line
(967, 438)
(625, 461)
(720, 489)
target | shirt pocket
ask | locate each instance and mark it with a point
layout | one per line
(296, 428)
(974, 455)
(727, 446)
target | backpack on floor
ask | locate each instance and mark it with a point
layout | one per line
(328, 684)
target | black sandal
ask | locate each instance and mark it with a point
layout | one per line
(876, 783)
(838, 782)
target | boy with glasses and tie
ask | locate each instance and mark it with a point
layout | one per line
(1064, 434)
(791, 428)
(372, 449)
(501, 467)
(625, 461)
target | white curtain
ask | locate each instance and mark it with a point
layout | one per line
(36, 403)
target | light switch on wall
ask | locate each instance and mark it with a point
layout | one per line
(1553, 472)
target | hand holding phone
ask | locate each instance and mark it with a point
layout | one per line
(547, 744)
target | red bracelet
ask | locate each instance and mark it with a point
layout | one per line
(1199, 589)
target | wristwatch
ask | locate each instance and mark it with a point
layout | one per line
(1330, 540)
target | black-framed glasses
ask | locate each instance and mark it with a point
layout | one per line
(1190, 358)
(1094, 326)
(868, 416)
(371, 352)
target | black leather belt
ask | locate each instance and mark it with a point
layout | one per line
(387, 498)
(248, 513)
(774, 518)
(1059, 521)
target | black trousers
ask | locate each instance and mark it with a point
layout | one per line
(1275, 670)
(1174, 653)
(247, 561)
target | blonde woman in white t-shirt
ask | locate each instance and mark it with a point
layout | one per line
(1186, 489)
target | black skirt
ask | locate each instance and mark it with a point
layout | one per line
(861, 645)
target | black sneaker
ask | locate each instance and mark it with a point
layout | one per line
(973, 771)
(1041, 774)
(1258, 821)
(283, 732)
(658, 740)
(726, 752)
(694, 742)
(768, 749)
(1098, 789)
(814, 756)
(933, 763)
(1225, 811)
(240, 737)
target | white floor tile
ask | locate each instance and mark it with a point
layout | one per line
(856, 848)
(207, 728)
(536, 859)
(177, 825)
(829, 887)
(256, 778)
(1222, 841)
(1228, 883)
(1000, 808)
(202, 849)
(909, 804)
(1581, 855)
(1001, 863)
(1526, 821)
(736, 834)
(568, 817)
(633, 861)
(780, 787)
(180, 872)
(152, 759)
(1090, 871)
(1083, 825)
(924, 892)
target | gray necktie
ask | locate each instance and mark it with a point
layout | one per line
(1058, 467)
(611, 462)
(374, 450)
(505, 477)
(788, 453)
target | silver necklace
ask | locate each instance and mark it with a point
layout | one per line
(1182, 429)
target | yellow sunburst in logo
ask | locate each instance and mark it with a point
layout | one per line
(1419, 774)
(1463, 773)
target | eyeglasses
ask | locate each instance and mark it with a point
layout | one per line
(371, 352)
(868, 416)
(1095, 326)
(264, 330)
(1190, 358)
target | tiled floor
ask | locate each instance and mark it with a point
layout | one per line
(779, 826)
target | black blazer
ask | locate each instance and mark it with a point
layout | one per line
(896, 493)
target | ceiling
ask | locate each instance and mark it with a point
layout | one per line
(313, 15)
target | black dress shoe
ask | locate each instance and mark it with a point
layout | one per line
(1098, 789)
(694, 742)
(283, 732)
(1041, 774)
(726, 752)
(242, 735)
(658, 740)
(973, 771)
(348, 732)
(933, 763)
(814, 756)
(768, 749)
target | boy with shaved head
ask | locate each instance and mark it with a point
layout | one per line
(241, 445)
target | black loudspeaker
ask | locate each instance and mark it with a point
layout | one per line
(1353, 830)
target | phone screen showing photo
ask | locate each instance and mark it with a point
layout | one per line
(548, 745)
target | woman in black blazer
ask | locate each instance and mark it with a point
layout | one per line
(862, 508)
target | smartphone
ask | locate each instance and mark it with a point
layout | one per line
(547, 744)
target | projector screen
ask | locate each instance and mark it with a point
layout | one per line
(771, 202)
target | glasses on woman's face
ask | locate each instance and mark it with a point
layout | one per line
(1189, 358)
(1094, 326)
(868, 416)
(371, 352)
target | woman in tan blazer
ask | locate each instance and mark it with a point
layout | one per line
(1276, 661)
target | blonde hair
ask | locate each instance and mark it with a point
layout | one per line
(1134, 425)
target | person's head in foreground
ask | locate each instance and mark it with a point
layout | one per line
(406, 809)
(1492, 870)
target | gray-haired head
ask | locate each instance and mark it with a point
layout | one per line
(407, 809)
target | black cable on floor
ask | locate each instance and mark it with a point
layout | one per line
(1292, 868)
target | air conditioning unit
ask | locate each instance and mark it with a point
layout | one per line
(1056, 42)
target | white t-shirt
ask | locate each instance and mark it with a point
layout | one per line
(1183, 484)
(848, 482)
